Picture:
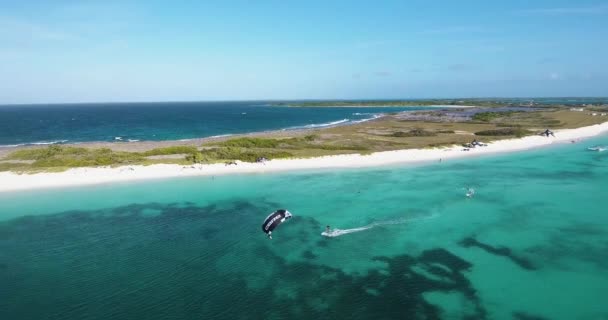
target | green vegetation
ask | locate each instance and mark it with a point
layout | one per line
(306, 142)
(170, 150)
(489, 116)
(518, 132)
(61, 157)
(388, 133)
(233, 153)
(69, 157)
(57, 151)
(406, 103)
(389, 103)
(8, 166)
(251, 143)
(478, 102)
(414, 133)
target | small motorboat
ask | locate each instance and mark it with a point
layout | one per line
(597, 148)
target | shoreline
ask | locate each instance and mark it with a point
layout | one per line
(151, 144)
(144, 145)
(102, 175)
(438, 106)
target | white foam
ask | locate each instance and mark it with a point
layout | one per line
(40, 143)
(376, 116)
(340, 232)
(470, 192)
(321, 125)
(221, 136)
(47, 143)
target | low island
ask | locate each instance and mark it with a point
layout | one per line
(399, 137)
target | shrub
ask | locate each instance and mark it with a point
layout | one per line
(59, 156)
(311, 137)
(251, 143)
(488, 116)
(171, 150)
(48, 152)
(414, 133)
(232, 153)
(195, 157)
(503, 132)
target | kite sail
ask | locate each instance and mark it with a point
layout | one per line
(274, 220)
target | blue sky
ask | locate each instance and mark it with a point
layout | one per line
(83, 51)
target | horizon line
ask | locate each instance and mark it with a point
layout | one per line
(296, 100)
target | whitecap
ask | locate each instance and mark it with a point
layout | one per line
(321, 125)
(47, 143)
(375, 116)
(39, 143)
(221, 136)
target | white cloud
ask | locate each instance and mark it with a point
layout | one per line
(554, 76)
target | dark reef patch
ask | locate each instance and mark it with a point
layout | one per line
(498, 251)
(183, 263)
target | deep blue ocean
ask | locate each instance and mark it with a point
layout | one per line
(70, 123)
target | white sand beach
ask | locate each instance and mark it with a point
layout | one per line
(88, 176)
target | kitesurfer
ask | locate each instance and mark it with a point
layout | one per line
(273, 220)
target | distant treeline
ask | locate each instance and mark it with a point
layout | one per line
(398, 103)
(455, 102)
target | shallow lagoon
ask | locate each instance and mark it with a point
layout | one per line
(531, 244)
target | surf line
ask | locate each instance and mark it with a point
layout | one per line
(340, 232)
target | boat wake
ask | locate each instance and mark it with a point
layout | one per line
(340, 232)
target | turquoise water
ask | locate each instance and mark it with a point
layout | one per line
(531, 244)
